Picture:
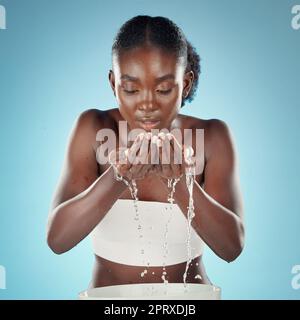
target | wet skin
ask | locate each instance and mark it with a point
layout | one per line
(146, 96)
(141, 90)
(149, 189)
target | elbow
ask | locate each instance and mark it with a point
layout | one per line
(54, 245)
(234, 253)
(54, 238)
(236, 247)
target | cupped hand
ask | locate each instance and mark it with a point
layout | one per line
(174, 157)
(133, 163)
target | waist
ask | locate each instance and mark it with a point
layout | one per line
(108, 273)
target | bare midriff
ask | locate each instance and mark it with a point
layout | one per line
(108, 273)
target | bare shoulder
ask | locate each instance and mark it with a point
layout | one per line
(220, 138)
(217, 134)
(211, 125)
(90, 121)
(95, 118)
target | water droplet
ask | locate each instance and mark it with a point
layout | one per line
(190, 179)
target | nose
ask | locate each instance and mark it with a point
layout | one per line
(147, 103)
(147, 107)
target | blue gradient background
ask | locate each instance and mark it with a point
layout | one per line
(54, 62)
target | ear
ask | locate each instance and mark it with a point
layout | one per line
(188, 80)
(111, 78)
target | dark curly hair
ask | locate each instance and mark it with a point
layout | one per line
(160, 32)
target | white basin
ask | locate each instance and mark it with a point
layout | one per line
(148, 291)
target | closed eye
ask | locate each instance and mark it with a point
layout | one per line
(130, 91)
(159, 91)
(164, 91)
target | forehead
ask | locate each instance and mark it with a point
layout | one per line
(147, 62)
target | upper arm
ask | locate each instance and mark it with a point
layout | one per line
(80, 167)
(221, 177)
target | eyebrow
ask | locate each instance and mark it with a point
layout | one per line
(159, 79)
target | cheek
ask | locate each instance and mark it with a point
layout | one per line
(177, 95)
(170, 111)
(127, 109)
(172, 103)
(125, 102)
(128, 101)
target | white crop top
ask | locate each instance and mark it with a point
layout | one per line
(118, 239)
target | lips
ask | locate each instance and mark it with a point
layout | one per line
(149, 123)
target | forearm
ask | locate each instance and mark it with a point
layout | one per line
(219, 227)
(74, 219)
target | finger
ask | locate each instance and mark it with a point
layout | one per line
(176, 168)
(144, 150)
(188, 155)
(158, 150)
(118, 159)
(154, 159)
(152, 156)
(136, 165)
(131, 166)
(178, 151)
(145, 170)
(146, 167)
(127, 168)
(112, 157)
(165, 157)
(132, 153)
(141, 162)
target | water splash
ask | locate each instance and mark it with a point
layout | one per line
(190, 180)
(171, 185)
(134, 194)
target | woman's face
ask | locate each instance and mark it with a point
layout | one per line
(149, 84)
